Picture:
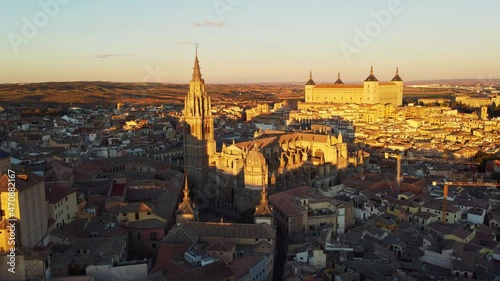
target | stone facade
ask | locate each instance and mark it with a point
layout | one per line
(370, 92)
(238, 173)
(199, 142)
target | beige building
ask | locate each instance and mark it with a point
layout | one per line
(302, 210)
(61, 205)
(474, 101)
(370, 92)
(256, 111)
(129, 212)
(28, 207)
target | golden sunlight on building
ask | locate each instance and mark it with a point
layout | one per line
(370, 92)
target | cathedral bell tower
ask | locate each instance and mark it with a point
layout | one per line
(199, 142)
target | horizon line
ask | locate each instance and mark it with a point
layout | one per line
(497, 80)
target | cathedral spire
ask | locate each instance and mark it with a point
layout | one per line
(263, 209)
(186, 189)
(185, 210)
(196, 69)
(371, 70)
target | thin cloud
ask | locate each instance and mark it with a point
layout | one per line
(105, 56)
(208, 24)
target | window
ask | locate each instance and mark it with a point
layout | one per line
(152, 236)
(137, 216)
(153, 245)
(139, 235)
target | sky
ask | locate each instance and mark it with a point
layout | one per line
(247, 41)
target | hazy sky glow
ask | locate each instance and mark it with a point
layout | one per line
(247, 40)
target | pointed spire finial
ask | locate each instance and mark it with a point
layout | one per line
(371, 70)
(255, 146)
(310, 82)
(397, 70)
(186, 188)
(263, 198)
(339, 82)
(196, 69)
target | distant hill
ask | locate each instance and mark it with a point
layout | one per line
(79, 93)
(456, 82)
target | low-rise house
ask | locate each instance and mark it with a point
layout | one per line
(425, 218)
(62, 205)
(453, 214)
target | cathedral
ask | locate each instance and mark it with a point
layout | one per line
(198, 126)
(370, 92)
(235, 177)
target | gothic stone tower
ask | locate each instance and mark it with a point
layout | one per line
(199, 143)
